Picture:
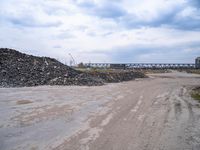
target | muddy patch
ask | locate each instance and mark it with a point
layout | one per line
(23, 102)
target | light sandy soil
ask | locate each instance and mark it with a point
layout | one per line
(146, 114)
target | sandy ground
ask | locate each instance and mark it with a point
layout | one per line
(146, 114)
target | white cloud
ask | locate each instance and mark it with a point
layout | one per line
(99, 30)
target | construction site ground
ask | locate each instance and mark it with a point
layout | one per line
(155, 113)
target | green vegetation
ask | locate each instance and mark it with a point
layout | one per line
(196, 94)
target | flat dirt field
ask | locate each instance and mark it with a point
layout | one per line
(155, 113)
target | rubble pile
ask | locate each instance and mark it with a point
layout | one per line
(18, 70)
(117, 76)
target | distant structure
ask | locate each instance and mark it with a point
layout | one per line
(117, 66)
(146, 65)
(72, 60)
(197, 63)
(141, 65)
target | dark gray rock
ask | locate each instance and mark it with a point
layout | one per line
(18, 70)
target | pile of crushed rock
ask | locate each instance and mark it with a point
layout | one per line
(117, 75)
(18, 70)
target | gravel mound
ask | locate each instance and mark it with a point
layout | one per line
(19, 70)
(117, 76)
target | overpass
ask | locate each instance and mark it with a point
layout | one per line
(143, 65)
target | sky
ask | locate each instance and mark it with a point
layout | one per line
(107, 31)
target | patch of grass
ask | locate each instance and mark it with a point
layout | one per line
(195, 94)
(22, 102)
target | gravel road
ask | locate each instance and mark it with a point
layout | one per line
(155, 113)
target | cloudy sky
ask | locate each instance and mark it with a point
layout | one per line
(103, 30)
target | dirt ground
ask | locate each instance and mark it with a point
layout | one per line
(155, 113)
